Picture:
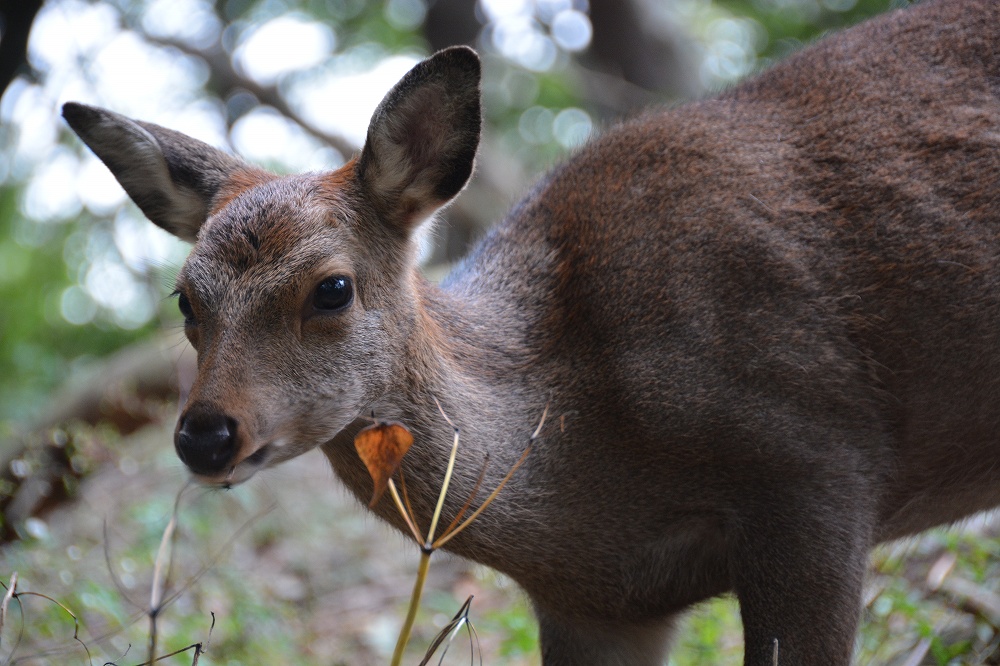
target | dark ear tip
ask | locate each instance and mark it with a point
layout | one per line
(72, 109)
(461, 57)
(76, 114)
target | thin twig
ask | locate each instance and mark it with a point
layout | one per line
(208, 641)
(406, 502)
(6, 601)
(20, 631)
(76, 620)
(445, 538)
(444, 489)
(402, 512)
(122, 590)
(472, 496)
(163, 557)
(428, 546)
(199, 649)
(124, 654)
(221, 67)
(196, 646)
(441, 409)
(541, 422)
(448, 631)
(474, 642)
(448, 536)
(218, 555)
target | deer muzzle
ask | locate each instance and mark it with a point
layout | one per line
(206, 440)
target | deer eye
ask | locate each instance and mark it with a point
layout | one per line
(333, 293)
(185, 307)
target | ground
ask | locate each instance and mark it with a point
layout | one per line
(297, 572)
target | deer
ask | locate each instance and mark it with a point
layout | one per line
(761, 324)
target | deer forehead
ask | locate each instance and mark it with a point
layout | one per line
(270, 237)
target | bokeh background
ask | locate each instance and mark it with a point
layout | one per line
(90, 344)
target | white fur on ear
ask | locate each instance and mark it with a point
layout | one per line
(423, 237)
(422, 139)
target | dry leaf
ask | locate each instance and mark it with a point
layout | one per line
(381, 447)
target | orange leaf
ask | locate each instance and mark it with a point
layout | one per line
(381, 447)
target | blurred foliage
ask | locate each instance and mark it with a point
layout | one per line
(787, 25)
(39, 266)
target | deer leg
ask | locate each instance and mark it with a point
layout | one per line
(570, 643)
(798, 572)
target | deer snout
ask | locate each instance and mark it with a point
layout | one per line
(206, 440)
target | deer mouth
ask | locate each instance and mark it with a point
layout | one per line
(246, 468)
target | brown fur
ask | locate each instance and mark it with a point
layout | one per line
(237, 182)
(764, 325)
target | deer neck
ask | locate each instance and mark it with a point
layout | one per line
(465, 359)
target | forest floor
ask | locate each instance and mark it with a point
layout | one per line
(295, 571)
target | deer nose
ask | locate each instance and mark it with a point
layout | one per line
(205, 440)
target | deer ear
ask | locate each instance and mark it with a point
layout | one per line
(173, 178)
(423, 137)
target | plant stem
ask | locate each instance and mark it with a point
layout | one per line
(407, 515)
(447, 536)
(411, 614)
(444, 490)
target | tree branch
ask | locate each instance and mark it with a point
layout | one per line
(226, 80)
